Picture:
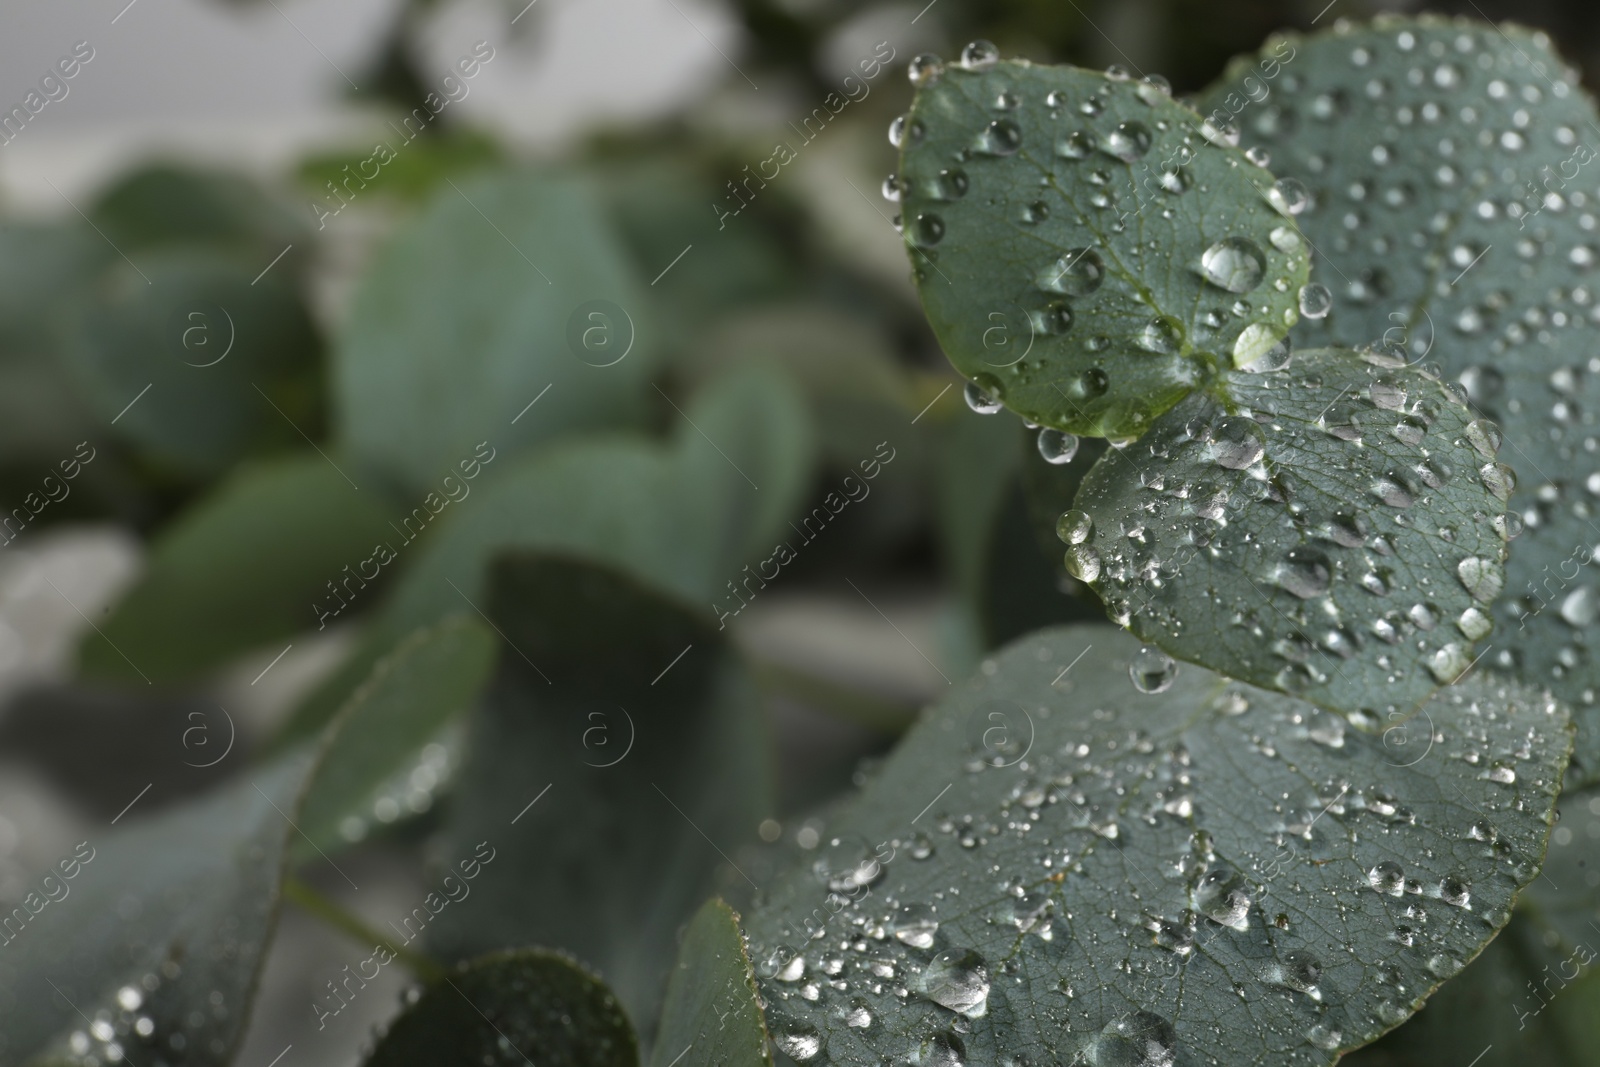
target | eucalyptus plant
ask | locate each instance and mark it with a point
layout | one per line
(1334, 326)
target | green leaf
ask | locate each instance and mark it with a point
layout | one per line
(413, 174)
(167, 920)
(187, 354)
(412, 694)
(505, 286)
(621, 718)
(169, 204)
(1055, 864)
(518, 1006)
(1451, 190)
(1330, 530)
(1085, 252)
(255, 562)
(687, 516)
(712, 984)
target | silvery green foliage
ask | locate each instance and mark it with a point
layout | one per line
(1087, 252)
(1325, 531)
(1056, 867)
(1333, 530)
(1452, 203)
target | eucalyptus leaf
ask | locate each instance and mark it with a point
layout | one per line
(195, 360)
(1086, 252)
(686, 516)
(427, 682)
(620, 718)
(1333, 530)
(506, 285)
(712, 984)
(521, 1006)
(172, 204)
(158, 932)
(1056, 864)
(1449, 168)
(254, 562)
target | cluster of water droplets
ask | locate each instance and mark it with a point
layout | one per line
(125, 1029)
(1448, 163)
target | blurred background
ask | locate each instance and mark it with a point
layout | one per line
(243, 241)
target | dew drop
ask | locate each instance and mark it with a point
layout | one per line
(1074, 527)
(1129, 141)
(1233, 263)
(1057, 447)
(1316, 300)
(1078, 272)
(1236, 442)
(1152, 670)
(1304, 572)
(1481, 578)
(1002, 137)
(983, 397)
(957, 979)
(1083, 563)
(916, 925)
(979, 55)
(1388, 877)
(925, 70)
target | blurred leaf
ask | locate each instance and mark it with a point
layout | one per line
(216, 350)
(254, 562)
(176, 204)
(1014, 223)
(711, 984)
(428, 681)
(1070, 868)
(619, 754)
(167, 921)
(1328, 530)
(417, 172)
(506, 286)
(521, 1005)
(686, 516)
(1447, 171)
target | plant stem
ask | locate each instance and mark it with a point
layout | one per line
(314, 903)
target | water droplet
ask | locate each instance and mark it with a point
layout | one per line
(1078, 272)
(1090, 384)
(926, 230)
(1057, 447)
(1285, 238)
(1074, 527)
(1153, 89)
(925, 70)
(1449, 663)
(1304, 572)
(985, 401)
(1237, 443)
(1083, 563)
(1316, 300)
(979, 55)
(893, 188)
(1324, 1036)
(858, 1015)
(1299, 971)
(1454, 891)
(1484, 436)
(1152, 670)
(1142, 1039)
(1289, 196)
(916, 925)
(1388, 877)
(1223, 896)
(1260, 348)
(1482, 578)
(1498, 479)
(1161, 335)
(1580, 607)
(1233, 263)
(1002, 137)
(957, 979)
(1129, 141)
(800, 1041)
(783, 964)
(1474, 624)
(905, 129)
(1501, 772)
(1076, 145)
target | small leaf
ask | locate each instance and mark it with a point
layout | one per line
(687, 517)
(165, 920)
(712, 1013)
(413, 693)
(1327, 531)
(1085, 252)
(1064, 867)
(248, 565)
(506, 285)
(1452, 177)
(164, 204)
(519, 1006)
(619, 715)
(187, 354)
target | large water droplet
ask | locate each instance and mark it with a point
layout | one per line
(1142, 1039)
(1237, 443)
(1482, 578)
(916, 925)
(1388, 877)
(799, 1040)
(1083, 563)
(1260, 348)
(1580, 607)
(925, 70)
(979, 55)
(1078, 272)
(1074, 527)
(1129, 141)
(1057, 446)
(983, 396)
(957, 979)
(926, 230)
(1223, 896)
(1233, 263)
(1316, 300)
(1304, 572)
(1002, 137)
(1161, 335)
(1152, 670)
